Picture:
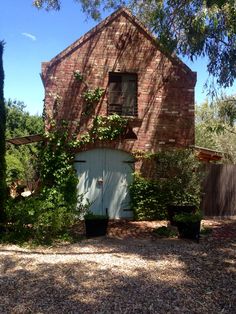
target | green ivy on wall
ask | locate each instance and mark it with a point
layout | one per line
(92, 96)
(78, 76)
(104, 128)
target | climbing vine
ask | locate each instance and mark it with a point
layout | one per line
(104, 128)
(91, 96)
(57, 155)
(78, 75)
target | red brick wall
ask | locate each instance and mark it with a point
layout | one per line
(165, 87)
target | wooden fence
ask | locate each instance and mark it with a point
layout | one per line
(219, 191)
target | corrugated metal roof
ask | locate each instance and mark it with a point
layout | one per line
(26, 139)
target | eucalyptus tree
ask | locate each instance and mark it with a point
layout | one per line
(215, 126)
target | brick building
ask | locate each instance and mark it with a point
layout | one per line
(142, 82)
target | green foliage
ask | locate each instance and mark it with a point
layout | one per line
(37, 219)
(92, 96)
(108, 127)
(2, 138)
(182, 174)
(15, 169)
(104, 128)
(188, 217)
(78, 75)
(19, 122)
(177, 182)
(165, 232)
(227, 110)
(205, 122)
(215, 127)
(48, 4)
(21, 160)
(148, 199)
(54, 210)
(56, 168)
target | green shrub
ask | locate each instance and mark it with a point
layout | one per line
(181, 171)
(148, 199)
(177, 182)
(51, 214)
(38, 219)
(165, 232)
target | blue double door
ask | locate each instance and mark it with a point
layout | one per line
(104, 177)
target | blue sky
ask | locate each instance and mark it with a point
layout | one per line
(34, 36)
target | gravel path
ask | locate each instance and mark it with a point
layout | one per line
(111, 275)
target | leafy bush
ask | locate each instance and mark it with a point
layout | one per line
(181, 171)
(148, 199)
(38, 219)
(177, 181)
(55, 209)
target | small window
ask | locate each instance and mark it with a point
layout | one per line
(122, 97)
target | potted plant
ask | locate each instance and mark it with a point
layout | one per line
(95, 225)
(174, 209)
(189, 224)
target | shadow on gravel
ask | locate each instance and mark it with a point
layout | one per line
(115, 276)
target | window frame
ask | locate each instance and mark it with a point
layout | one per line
(119, 106)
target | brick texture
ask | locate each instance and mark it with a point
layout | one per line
(121, 44)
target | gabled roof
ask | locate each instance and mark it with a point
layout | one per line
(125, 12)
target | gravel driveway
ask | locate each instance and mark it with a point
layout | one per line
(110, 275)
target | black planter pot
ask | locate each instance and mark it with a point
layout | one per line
(189, 230)
(173, 210)
(96, 227)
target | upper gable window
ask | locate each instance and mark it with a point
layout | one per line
(122, 97)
